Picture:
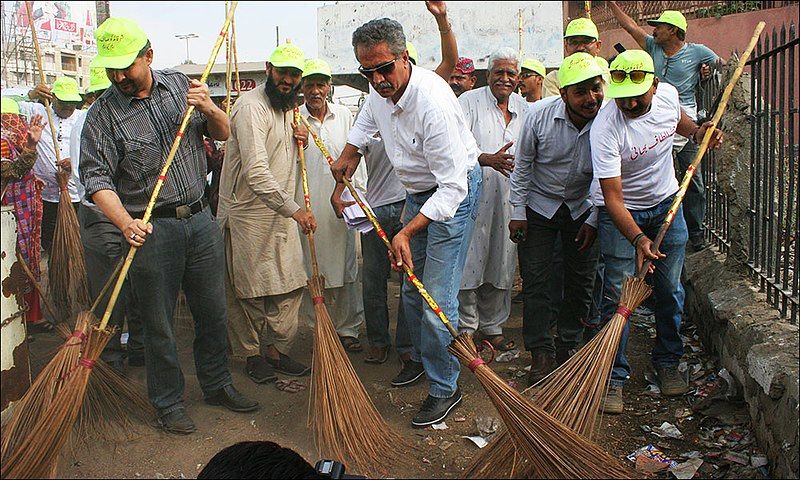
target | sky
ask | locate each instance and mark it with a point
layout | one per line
(255, 28)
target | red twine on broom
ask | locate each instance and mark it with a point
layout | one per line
(473, 365)
(87, 363)
(318, 300)
(624, 311)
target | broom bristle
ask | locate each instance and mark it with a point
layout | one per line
(67, 268)
(553, 450)
(571, 394)
(343, 419)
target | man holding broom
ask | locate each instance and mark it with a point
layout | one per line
(265, 273)
(631, 142)
(435, 157)
(127, 136)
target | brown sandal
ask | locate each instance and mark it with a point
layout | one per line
(500, 342)
(351, 344)
(377, 355)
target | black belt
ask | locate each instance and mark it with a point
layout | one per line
(181, 211)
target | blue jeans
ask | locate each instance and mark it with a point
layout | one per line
(620, 262)
(439, 253)
(182, 253)
(376, 274)
(695, 200)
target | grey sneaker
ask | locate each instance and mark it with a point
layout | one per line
(672, 384)
(612, 403)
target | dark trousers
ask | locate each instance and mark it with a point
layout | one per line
(49, 214)
(536, 268)
(182, 253)
(103, 248)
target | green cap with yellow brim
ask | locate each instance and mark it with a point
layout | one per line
(288, 55)
(9, 105)
(629, 61)
(119, 41)
(412, 52)
(670, 17)
(577, 68)
(581, 27)
(98, 80)
(316, 66)
(534, 66)
(66, 89)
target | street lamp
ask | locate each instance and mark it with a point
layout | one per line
(187, 37)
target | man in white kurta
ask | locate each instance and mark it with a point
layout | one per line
(336, 244)
(494, 114)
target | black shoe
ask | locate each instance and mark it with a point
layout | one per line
(434, 410)
(231, 399)
(177, 422)
(259, 370)
(699, 244)
(287, 366)
(563, 354)
(135, 360)
(411, 372)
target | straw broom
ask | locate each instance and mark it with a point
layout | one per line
(34, 457)
(344, 421)
(573, 392)
(559, 451)
(67, 272)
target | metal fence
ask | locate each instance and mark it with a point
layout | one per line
(773, 217)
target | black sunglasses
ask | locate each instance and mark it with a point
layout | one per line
(637, 76)
(384, 69)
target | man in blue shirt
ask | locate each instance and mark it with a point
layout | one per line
(683, 65)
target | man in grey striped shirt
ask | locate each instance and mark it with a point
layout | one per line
(128, 134)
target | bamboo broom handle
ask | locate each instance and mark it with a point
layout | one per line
(238, 83)
(382, 234)
(108, 284)
(228, 69)
(29, 274)
(43, 80)
(306, 196)
(690, 171)
(162, 176)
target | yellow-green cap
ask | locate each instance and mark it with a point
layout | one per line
(534, 66)
(98, 80)
(66, 89)
(581, 27)
(288, 55)
(412, 52)
(9, 105)
(670, 17)
(316, 66)
(119, 40)
(578, 67)
(628, 61)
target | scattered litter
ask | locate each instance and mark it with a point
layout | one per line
(508, 356)
(653, 453)
(479, 441)
(199, 466)
(429, 441)
(520, 374)
(512, 383)
(426, 461)
(692, 454)
(290, 386)
(459, 418)
(737, 457)
(445, 445)
(682, 413)
(486, 425)
(253, 423)
(646, 428)
(731, 391)
(687, 469)
(668, 430)
(440, 426)
(123, 339)
(648, 465)
(528, 368)
(759, 461)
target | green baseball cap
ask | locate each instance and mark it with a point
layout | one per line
(9, 105)
(534, 66)
(581, 27)
(628, 61)
(288, 55)
(316, 66)
(670, 17)
(412, 52)
(578, 67)
(119, 41)
(66, 89)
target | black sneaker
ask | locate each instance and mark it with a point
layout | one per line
(259, 370)
(231, 399)
(178, 422)
(411, 372)
(434, 410)
(287, 366)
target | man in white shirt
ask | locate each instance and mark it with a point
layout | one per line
(336, 243)
(494, 114)
(65, 98)
(632, 159)
(435, 157)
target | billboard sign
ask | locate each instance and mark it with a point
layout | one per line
(63, 24)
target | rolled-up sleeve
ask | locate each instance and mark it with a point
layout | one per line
(523, 168)
(363, 128)
(99, 156)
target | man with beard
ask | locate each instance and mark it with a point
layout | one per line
(435, 157)
(125, 141)
(531, 78)
(463, 77)
(580, 36)
(259, 214)
(338, 265)
(632, 159)
(494, 114)
(550, 197)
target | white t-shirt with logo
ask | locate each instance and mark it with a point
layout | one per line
(639, 150)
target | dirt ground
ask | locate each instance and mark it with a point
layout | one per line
(150, 453)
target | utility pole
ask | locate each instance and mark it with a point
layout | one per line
(187, 37)
(277, 35)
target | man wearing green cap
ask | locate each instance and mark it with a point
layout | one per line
(98, 83)
(126, 139)
(531, 78)
(632, 160)
(265, 273)
(580, 36)
(551, 205)
(340, 267)
(683, 65)
(65, 98)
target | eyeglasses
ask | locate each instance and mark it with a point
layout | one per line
(580, 40)
(384, 69)
(529, 75)
(636, 76)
